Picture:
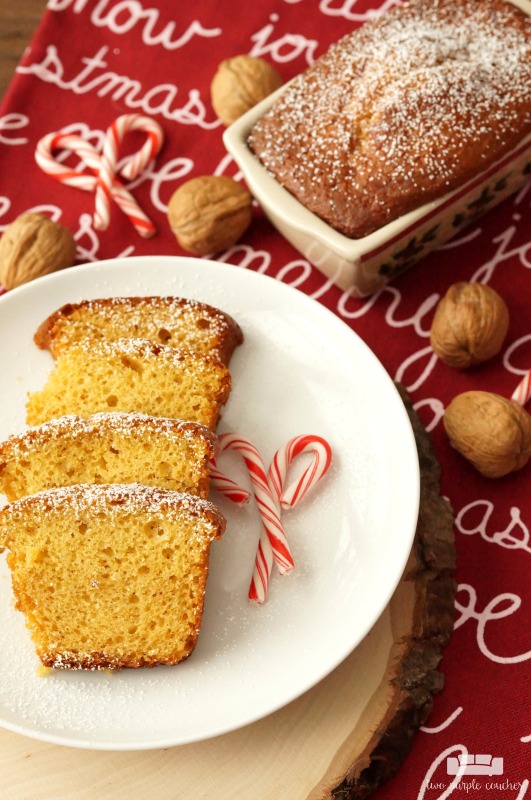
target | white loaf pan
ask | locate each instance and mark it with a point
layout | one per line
(362, 266)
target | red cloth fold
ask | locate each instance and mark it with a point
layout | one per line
(92, 60)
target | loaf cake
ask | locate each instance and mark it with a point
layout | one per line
(110, 576)
(403, 110)
(173, 321)
(132, 375)
(110, 447)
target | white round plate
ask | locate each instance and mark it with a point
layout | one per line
(300, 370)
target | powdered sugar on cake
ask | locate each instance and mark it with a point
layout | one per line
(144, 348)
(121, 422)
(114, 499)
(178, 308)
(175, 321)
(402, 110)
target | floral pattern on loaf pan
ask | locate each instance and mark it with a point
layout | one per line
(444, 226)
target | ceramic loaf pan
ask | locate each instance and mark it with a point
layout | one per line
(362, 266)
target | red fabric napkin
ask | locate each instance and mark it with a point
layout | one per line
(92, 60)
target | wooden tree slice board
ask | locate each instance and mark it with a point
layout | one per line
(327, 745)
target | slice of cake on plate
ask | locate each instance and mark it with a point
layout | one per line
(109, 447)
(110, 576)
(132, 375)
(174, 321)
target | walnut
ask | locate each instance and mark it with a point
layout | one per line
(209, 214)
(239, 84)
(34, 245)
(491, 432)
(470, 325)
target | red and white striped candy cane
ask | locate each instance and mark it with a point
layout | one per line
(104, 182)
(75, 144)
(109, 163)
(155, 138)
(228, 488)
(322, 458)
(91, 158)
(522, 393)
(273, 545)
(285, 497)
(288, 497)
(263, 564)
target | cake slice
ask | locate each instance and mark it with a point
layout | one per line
(110, 447)
(174, 321)
(132, 375)
(110, 576)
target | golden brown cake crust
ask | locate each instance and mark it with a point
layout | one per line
(220, 333)
(401, 111)
(98, 661)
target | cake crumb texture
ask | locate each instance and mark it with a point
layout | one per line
(406, 108)
(132, 375)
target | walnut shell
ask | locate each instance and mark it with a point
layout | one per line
(470, 325)
(34, 245)
(209, 214)
(491, 432)
(239, 84)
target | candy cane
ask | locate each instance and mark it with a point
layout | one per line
(66, 141)
(288, 497)
(228, 488)
(522, 393)
(104, 181)
(91, 158)
(273, 545)
(151, 147)
(322, 458)
(280, 496)
(266, 502)
(109, 161)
